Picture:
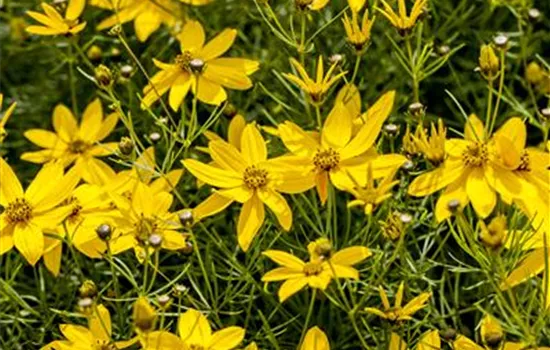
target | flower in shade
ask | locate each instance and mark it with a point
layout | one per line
(247, 177)
(52, 23)
(200, 68)
(5, 116)
(315, 339)
(27, 214)
(398, 312)
(195, 333)
(316, 89)
(337, 153)
(322, 267)
(368, 195)
(403, 22)
(71, 143)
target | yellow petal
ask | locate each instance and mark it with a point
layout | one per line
(227, 156)
(463, 343)
(227, 338)
(107, 126)
(297, 140)
(99, 323)
(179, 90)
(291, 287)
(529, 267)
(91, 121)
(52, 255)
(74, 9)
(161, 340)
(192, 36)
(396, 342)
(479, 192)
(212, 205)
(250, 220)
(10, 187)
(145, 24)
(356, 5)
(226, 75)
(193, 328)
(285, 259)
(253, 146)
(76, 334)
(29, 240)
(315, 339)
(474, 129)
(218, 45)
(429, 341)
(351, 98)
(350, 256)
(235, 131)
(209, 92)
(282, 273)
(455, 191)
(64, 123)
(514, 129)
(212, 175)
(278, 205)
(435, 180)
(337, 128)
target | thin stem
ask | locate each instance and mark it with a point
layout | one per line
(301, 48)
(489, 108)
(412, 65)
(500, 87)
(355, 68)
(358, 331)
(308, 316)
(318, 116)
(115, 283)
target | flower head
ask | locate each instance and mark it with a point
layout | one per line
(55, 24)
(4, 118)
(316, 89)
(403, 22)
(432, 146)
(358, 36)
(367, 194)
(80, 145)
(200, 68)
(397, 312)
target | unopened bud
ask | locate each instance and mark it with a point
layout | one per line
(534, 14)
(188, 248)
(501, 41)
(186, 217)
(494, 234)
(94, 53)
(443, 50)
(196, 65)
(545, 112)
(126, 71)
(104, 232)
(126, 146)
(453, 205)
(391, 129)
(85, 303)
(408, 165)
(115, 30)
(88, 289)
(416, 109)
(103, 76)
(155, 240)
(448, 334)
(144, 315)
(230, 110)
(488, 61)
(179, 289)
(154, 137)
(164, 301)
(405, 218)
(336, 58)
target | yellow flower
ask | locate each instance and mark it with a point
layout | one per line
(145, 220)
(96, 336)
(494, 234)
(428, 341)
(55, 24)
(401, 21)
(358, 36)
(472, 172)
(28, 214)
(200, 68)
(433, 146)
(314, 5)
(317, 272)
(397, 312)
(409, 144)
(144, 315)
(73, 144)
(356, 5)
(368, 195)
(534, 73)
(315, 339)
(148, 15)
(248, 177)
(316, 89)
(4, 119)
(195, 333)
(338, 153)
(491, 331)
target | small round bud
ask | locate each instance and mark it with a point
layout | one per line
(94, 53)
(408, 165)
(186, 217)
(164, 300)
(545, 112)
(448, 334)
(336, 58)
(196, 65)
(443, 50)
(88, 289)
(416, 109)
(85, 303)
(103, 76)
(188, 249)
(501, 41)
(155, 240)
(453, 205)
(125, 146)
(154, 137)
(488, 62)
(391, 129)
(534, 14)
(230, 110)
(405, 218)
(126, 71)
(104, 231)
(180, 288)
(115, 52)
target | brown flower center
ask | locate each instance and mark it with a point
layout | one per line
(19, 211)
(104, 345)
(326, 160)
(196, 347)
(524, 163)
(188, 63)
(255, 177)
(313, 269)
(475, 155)
(78, 146)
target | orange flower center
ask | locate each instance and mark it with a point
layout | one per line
(255, 177)
(475, 155)
(313, 269)
(78, 146)
(326, 160)
(19, 211)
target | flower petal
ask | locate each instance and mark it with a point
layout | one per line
(10, 187)
(212, 205)
(482, 196)
(282, 273)
(291, 287)
(315, 339)
(285, 259)
(211, 175)
(250, 220)
(227, 338)
(350, 256)
(193, 328)
(253, 146)
(192, 37)
(218, 45)
(474, 129)
(29, 240)
(64, 123)
(435, 180)
(337, 128)
(278, 205)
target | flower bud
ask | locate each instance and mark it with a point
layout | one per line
(126, 146)
(336, 58)
(179, 290)
(164, 301)
(443, 50)
(534, 73)
(197, 65)
(186, 217)
(545, 113)
(501, 41)
(88, 289)
(155, 240)
(417, 109)
(144, 315)
(103, 76)
(488, 61)
(115, 30)
(94, 53)
(408, 165)
(126, 71)
(85, 304)
(104, 232)
(453, 205)
(302, 4)
(448, 334)
(534, 14)
(494, 234)
(491, 332)
(188, 249)
(154, 137)
(391, 129)
(230, 110)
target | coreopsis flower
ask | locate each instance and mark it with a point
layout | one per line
(369, 195)
(80, 145)
(200, 68)
(248, 177)
(322, 267)
(28, 214)
(89, 208)
(315, 339)
(403, 22)
(195, 333)
(432, 146)
(5, 117)
(472, 172)
(314, 5)
(148, 15)
(408, 142)
(96, 336)
(145, 220)
(358, 36)
(53, 23)
(428, 341)
(397, 312)
(316, 89)
(488, 62)
(337, 153)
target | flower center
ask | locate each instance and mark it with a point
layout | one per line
(74, 215)
(196, 347)
(475, 155)
(255, 177)
(326, 160)
(524, 163)
(188, 63)
(313, 269)
(144, 228)
(104, 345)
(19, 211)
(78, 146)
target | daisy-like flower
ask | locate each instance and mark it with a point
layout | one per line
(145, 220)
(248, 177)
(5, 116)
(200, 68)
(428, 341)
(323, 266)
(401, 21)
(27, 214)
(73, 144)
(195, 333)
(358, 36)
(432, 146)
(337, 153)
(316, 89)
(96, 336)
(399, 313)
(472, 172)
(315, 339)
(148, 15)
(55, 24)
(368, 195)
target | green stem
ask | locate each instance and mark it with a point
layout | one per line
(358, 331)
(356, 68)
(115, 284)
(500, 87)
(308, 316)
(318, 116)
(412, 66)
(301, 48)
